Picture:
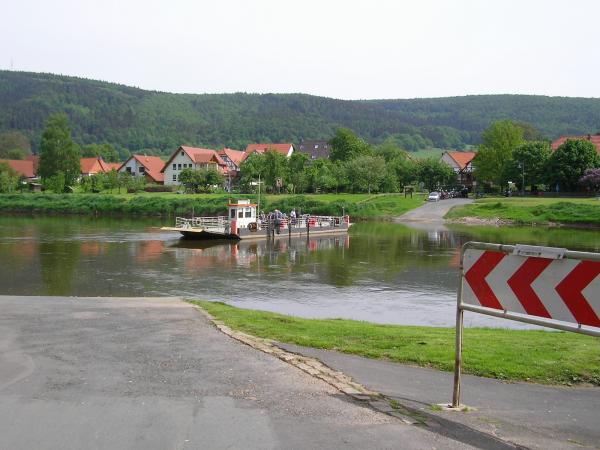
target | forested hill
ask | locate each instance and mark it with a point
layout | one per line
(136, 119)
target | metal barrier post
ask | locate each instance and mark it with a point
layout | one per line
(459, 338)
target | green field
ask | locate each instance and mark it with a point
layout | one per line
(427, 153)
(358, 206)
(533, 210)
(538, 356)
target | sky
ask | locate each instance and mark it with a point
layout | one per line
(342, 49)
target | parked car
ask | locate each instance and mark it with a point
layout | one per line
(433, 197)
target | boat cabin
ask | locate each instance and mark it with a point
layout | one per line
(241, 214)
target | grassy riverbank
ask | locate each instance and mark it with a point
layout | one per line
(537, 356)
(528, 211)
(167, 204)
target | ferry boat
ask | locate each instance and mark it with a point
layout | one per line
(243, 222)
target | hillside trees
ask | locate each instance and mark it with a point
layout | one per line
(105, 151)
(59, 155)
(14, 145)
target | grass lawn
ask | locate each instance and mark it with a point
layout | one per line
(538, 356)
(533, 210)
(427, 153)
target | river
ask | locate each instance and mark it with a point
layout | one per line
(380, 272)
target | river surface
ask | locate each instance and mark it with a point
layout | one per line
(380, 272)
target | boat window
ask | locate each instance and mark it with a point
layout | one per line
(233, 213)
(241, 214)
(248, 213)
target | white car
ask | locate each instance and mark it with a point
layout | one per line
(433, 197)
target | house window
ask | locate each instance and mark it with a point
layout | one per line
(181, 153)
(178, 166)
(128, 169)
(142, 169)
(174, 177)
(174, 166)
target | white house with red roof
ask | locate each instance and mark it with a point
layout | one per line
(284, 149)
(593, 138)
(144, 166)
(462, 163)
(192, 158)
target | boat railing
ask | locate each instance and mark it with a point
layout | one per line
(201, 222)
(302, 222)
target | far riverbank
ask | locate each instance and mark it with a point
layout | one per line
(572, 212)
(358, 206)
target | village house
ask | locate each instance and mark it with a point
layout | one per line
(191, 158)
(24, 167)
(593, 138)
(233, 159)
(315, 149)
(284, 149)
(95, 165)
(144, 166)
(462, 163)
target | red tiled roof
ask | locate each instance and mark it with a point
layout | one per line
(36, 162)
(90, 166)
(593, 138)
(23, 167)
(462, 158)
(111, 166)
(261, 148)
(153, 166)
(236, 156)
(199, 155)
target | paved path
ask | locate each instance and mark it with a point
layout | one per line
(530, 415)
(432, 212)
(100, 373)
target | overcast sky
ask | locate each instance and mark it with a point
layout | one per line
(345, 49)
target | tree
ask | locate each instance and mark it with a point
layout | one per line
(528, 161)
(495, 153)
(434, 173)
(200, 180)
(346, 145)
(365, 172)
(297, 171)
(250, 169)
(9, 179)
(58, 152)
(591, 179)
(275, 168)
(569, 162)
(390, 150)
(105, 151)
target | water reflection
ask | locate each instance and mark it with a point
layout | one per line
(380, 272)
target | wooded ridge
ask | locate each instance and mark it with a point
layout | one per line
(157, 122)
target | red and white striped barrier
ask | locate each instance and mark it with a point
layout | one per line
(567, 290)
(552, 287)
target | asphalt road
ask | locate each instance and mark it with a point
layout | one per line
(432, 212)
(112, 373)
